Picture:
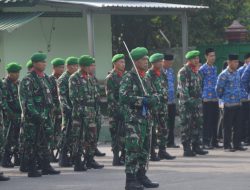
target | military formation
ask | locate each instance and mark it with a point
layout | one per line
(57, 118)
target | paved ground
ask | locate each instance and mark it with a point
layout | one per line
(216, 171)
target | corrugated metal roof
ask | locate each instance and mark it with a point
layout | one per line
(10, 3)
(11, 21)
(127, 4)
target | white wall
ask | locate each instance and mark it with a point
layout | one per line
(68, 39)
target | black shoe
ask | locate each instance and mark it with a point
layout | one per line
(98, 153)
(154, 157)
(217, 145)
(229, 149)
(49, 170)
(34, 173)
(64, 160)
(197, 149)
(132, 183)
(3, 178)
(163, 154)
(79, 166)
(6, 161)
(240, 148)
(208, 147)
(16, 160)
(173, 146)
(23, 165)
(117, 160)
(187, 150)
(93, 164)
(145, 181)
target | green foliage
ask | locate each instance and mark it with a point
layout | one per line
(205, 26)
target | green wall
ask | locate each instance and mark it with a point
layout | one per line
(69, 38)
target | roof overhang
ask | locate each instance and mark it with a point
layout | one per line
(12, 21)
(125, 7)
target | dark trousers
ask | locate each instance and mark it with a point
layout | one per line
(245, 122)
(171, 123)
(210, 118)
(231, 124)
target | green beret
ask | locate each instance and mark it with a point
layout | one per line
(72, 61)
(139, 53)
(86, 60)
(29, 64)
(13, 67)
(37, 57)
(118, 57)
(156, 57)
(57, 62)
(192, 54)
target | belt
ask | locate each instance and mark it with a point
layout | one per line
(232, 104)
(210, 100)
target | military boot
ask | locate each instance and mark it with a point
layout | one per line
(64, 160)
(47, 169)
(198, 150)
(132, 183)
(187, 150)
(78, 164)
(6, 161)
(91, 163)
(144, 180)
(154, 157)
(23, 165)
(99, 153)
(163, 154)
(32, 170)
(3, 178)
(16, 159)
(116, 159)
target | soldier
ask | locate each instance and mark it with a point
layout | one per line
(159, 85)
(116, 121)
(98, 119)
(245, 78)
(84, 96)
(66, 107)
(58, 68)
(36, 103)
(2, 177)
(170, 76)
(12, 113)
(228, 89)
(29, 65)
(189, 91)
(136, 103)
(210, 103)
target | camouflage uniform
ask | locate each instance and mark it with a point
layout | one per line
(160, 87)
(66, 107)
(84, 96)
(1, 119)
(56, 112)
(36, 102)
(12, 116)
(137, 121)
(190, 104)
(117, 127)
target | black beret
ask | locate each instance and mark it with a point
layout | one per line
(233, 57)
(246, 56)
(168, 57)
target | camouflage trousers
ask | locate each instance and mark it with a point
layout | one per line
(57, 128)
(191, 124)
(66, 137)
(117, 131)
(84, 135)
(98, 125)
(1, 136)
(136, 145)
(11, 137)
(159, 131)
(35, 142)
